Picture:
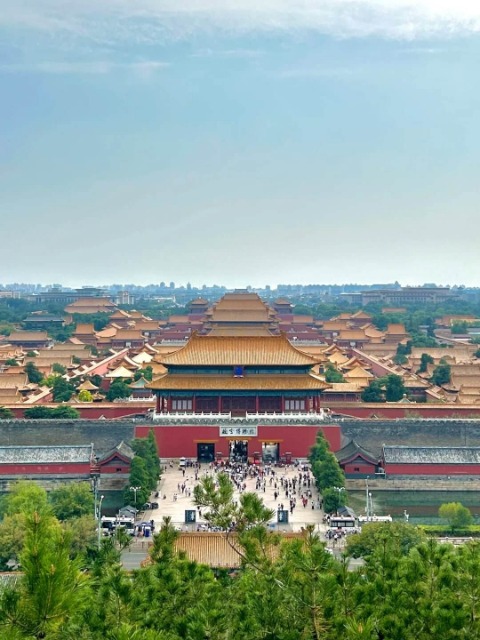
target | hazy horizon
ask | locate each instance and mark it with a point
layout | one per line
(247, 142)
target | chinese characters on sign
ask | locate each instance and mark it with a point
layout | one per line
(238, 431)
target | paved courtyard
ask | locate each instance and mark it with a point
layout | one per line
(173, 502)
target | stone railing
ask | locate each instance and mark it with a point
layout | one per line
(191, 418)
(227, 418)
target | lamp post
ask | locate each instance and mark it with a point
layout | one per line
(339, 491)
(99, 521)
(135, 489)
(367, 506)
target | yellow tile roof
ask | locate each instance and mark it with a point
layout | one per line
(396, 329)
(241, 331)
(358, 372)
(248, 383)
(231, 351)
(351, 334)
(14, 381)
(212, 549)
(240, 315)
(18, 336)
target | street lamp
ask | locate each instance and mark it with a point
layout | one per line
(99, 521)
(367, 499)
(135, 489)
(338, 501)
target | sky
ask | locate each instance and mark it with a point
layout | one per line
(240, 142)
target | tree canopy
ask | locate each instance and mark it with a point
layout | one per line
(409, 587)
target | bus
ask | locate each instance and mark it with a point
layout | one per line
(109, 525)
(126, 523)
(343, 525)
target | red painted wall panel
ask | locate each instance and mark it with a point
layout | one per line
(114, 469)
(362, 468)
(174, 442)
(56, 469)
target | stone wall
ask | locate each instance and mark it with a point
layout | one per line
(373, 434)
(104, 434)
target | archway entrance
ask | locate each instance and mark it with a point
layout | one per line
(270, 452)
(239, 451)
(205, 452)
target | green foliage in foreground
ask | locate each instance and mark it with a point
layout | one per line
(409, 588)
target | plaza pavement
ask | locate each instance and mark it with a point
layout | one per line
(175, 509)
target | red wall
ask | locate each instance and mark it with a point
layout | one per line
(432, 469)
(112, 468)
(394, 411)
(365, 468)
(178, 441)
(52, 469)
(93, 411)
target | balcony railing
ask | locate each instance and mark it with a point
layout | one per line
(248, 418)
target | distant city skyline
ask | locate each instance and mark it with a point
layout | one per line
(222, 285)
(246, 143)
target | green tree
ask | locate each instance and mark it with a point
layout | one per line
(441, 374)
(53, 590)
(6, 414)
(146, 448)
(333, 499)
(40, 412)
(11, 362)
(85, 396)
(62, 390)
(459, 327)
(146, 373)
(25, 496)
(457, 516)
(332, 374)
(373, 393)
(403, 350)
(373, 535)
(118, 389)
(33, 373)
(96, 380)
(140, 478)
(59, 368)
(425, 360)
(65, 412)
(72, 500)
(394, 388)
(325, 468)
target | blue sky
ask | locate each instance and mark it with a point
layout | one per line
(241, 142)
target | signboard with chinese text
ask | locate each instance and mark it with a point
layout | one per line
(238, 432)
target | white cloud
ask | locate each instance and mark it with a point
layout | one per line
(151, 20)
(143, 68)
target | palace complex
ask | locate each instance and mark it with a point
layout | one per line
(252, 386)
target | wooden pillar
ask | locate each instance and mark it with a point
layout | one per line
(194, 404)
(169, 403)
(157, 404)
(282, 403)
(219, 404)
(257, 403)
